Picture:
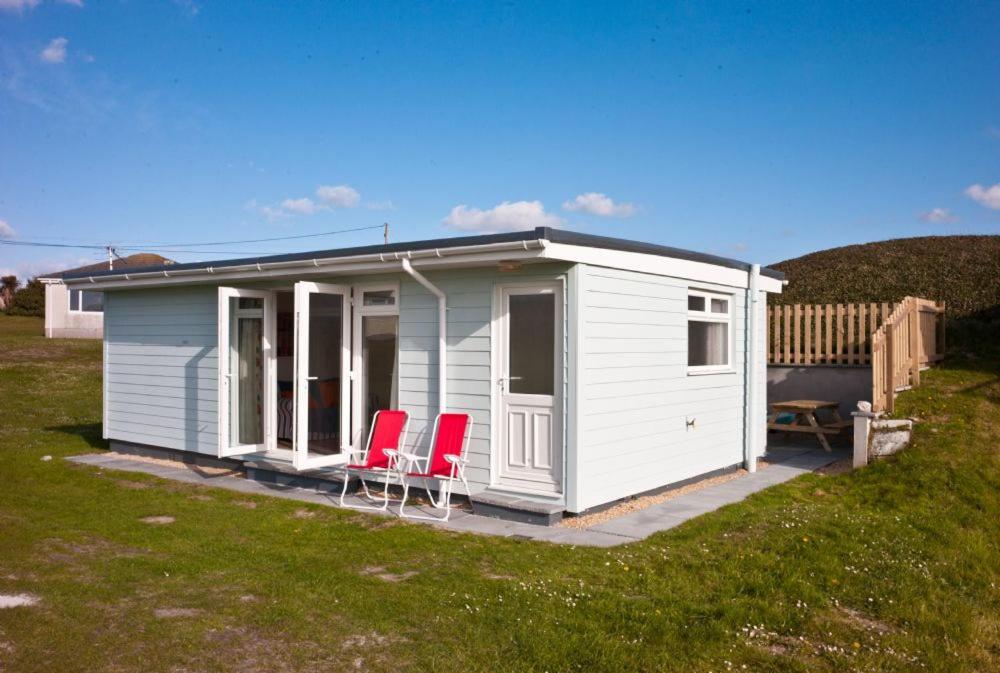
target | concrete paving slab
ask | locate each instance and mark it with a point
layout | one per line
(621, 530)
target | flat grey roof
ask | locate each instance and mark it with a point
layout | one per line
(540, 233)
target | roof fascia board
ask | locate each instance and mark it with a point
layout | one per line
(312, 269)
(701, 272)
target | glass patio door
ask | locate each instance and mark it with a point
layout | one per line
(245, 361)
(321, 397)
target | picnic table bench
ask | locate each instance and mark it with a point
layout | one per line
(804, 419)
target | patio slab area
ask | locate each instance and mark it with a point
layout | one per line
(785, 464)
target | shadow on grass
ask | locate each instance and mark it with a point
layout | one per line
(89, 432)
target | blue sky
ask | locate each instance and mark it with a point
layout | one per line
(759, 131)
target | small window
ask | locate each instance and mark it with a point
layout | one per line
(379, 298)
(709, 332)
(86, 301)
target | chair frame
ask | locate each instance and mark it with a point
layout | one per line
(458, 464)
(387, 472)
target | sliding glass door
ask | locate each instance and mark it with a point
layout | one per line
(322, 374)
(246, 336)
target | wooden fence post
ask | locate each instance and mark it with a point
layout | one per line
(889, 382)
(916, 342)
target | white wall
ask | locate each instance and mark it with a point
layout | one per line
(162, 368)
(60, 322)
(636, 394)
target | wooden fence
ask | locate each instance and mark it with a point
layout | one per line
(896, 340)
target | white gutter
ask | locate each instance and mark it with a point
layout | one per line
(750, 381)
(442, 332)
(294, 267)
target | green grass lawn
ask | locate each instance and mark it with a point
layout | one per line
(893, 568)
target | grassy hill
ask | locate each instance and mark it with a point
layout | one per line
(964, 271)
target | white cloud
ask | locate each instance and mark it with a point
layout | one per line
(17, 5)
(938, 216)
(301, 206)
(21, 5)
(599, 204)
(338, 196)
(6, 231)
(329, 197)
(55, 52)
(985, 196)
(508, 216)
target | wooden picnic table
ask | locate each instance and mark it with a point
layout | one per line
(805, 419)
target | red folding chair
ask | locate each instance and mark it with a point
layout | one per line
(385, 438)
(445, 462)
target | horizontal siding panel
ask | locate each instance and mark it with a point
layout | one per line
(203, 340)
(123, 391)
(166, 369)
(180, 382)
(174, 329)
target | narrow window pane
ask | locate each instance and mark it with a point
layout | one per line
(92, 301)
(379, 357)
(720, 306)
(708, 343)
(380, 298)
(246, 392)
(251, 303)
(532, 344)
(696, 303)
(74, 300)
(326, 313)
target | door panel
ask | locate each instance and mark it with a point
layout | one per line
(246, 371)
(530, 362)
(321, 397)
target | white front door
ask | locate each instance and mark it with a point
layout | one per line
(321, 397)
(246, 371)
(529, 335)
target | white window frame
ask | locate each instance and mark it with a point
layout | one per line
(80, 302)
(708, 316)
(357, 363)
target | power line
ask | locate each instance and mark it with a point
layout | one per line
(254, 240)
(179, 247)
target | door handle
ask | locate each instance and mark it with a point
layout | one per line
(312, 378)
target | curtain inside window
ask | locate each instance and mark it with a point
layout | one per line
(250, 380)
(708, 343)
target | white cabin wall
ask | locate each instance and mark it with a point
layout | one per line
(162, 367)
(637, 395)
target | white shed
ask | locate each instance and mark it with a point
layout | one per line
(594, 368)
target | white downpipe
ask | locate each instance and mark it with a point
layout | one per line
(442, 333)
(750, 389)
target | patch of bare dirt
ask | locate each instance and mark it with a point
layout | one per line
(134, 485)
(18, 600)
(385, 576)
(201, 497)
(303, 513)
(166, 462)
(637, 504)
(174, 613)
(71, 553)
(247, 504)
(158, 520)
(248, 650)
(860, 620)
(842, 466)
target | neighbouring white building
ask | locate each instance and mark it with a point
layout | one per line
(78, 313)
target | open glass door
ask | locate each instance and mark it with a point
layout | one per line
(246, 380)
(322, 374)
